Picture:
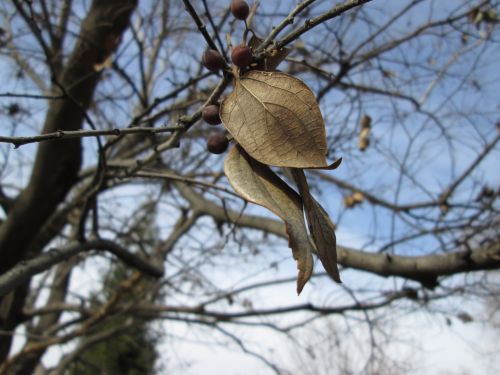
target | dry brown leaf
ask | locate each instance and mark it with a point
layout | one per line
(258, 184)
(276, 119)
(364, 133)
(354, 199)
(320, 226)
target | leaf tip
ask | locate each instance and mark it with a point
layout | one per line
(334, 165)
(300, 286)
(330, 268)
(305, 272)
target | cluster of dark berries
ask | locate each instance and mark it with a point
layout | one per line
(213, 60)
(217, 142)
(241, 56)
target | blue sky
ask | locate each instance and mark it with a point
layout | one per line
(469, 117)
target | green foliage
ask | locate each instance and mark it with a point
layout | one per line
(132, 350)
(131, 353)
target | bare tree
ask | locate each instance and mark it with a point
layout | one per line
(103, 103)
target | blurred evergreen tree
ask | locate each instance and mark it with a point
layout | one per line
(130, 351)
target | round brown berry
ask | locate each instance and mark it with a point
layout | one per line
(241, 56)
(213, 60)
(211, 114)
(240, 9)
(217, 143)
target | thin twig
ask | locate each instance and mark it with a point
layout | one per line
(216, 30)
(287, 21)
(190, 181)
(489, 147)
(173, 94)
(313, 22)
(184, 123)
(66, 134)
(200, 24)
(31, 96)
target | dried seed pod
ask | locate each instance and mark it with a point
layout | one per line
(211, 114)
(241, 56)
(217, 143)
(213, 60)
(240, 9)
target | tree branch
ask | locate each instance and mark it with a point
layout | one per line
(63, 135)
(26, 269)
(424, 269)
(56, 165)
(311, 23)
(201, 26)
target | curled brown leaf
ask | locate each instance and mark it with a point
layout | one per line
(257, 183)
(364, 132)
(321, 227)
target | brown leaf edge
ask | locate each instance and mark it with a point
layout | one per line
(257, 183)
(320, 226)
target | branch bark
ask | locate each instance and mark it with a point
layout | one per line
(423, 269)
(25, 269)
(57, 164)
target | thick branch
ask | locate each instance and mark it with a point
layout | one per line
(56, 164)
(425, 269)
(25, 269)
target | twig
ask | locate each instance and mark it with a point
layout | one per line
(449, 191)
(184, 123)
(200, 24)
(216, 30)
(64, 134)
(173, 94)
(287, 21)
(245, 350)
(31, 96)
(311, 23)
(190, 181)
